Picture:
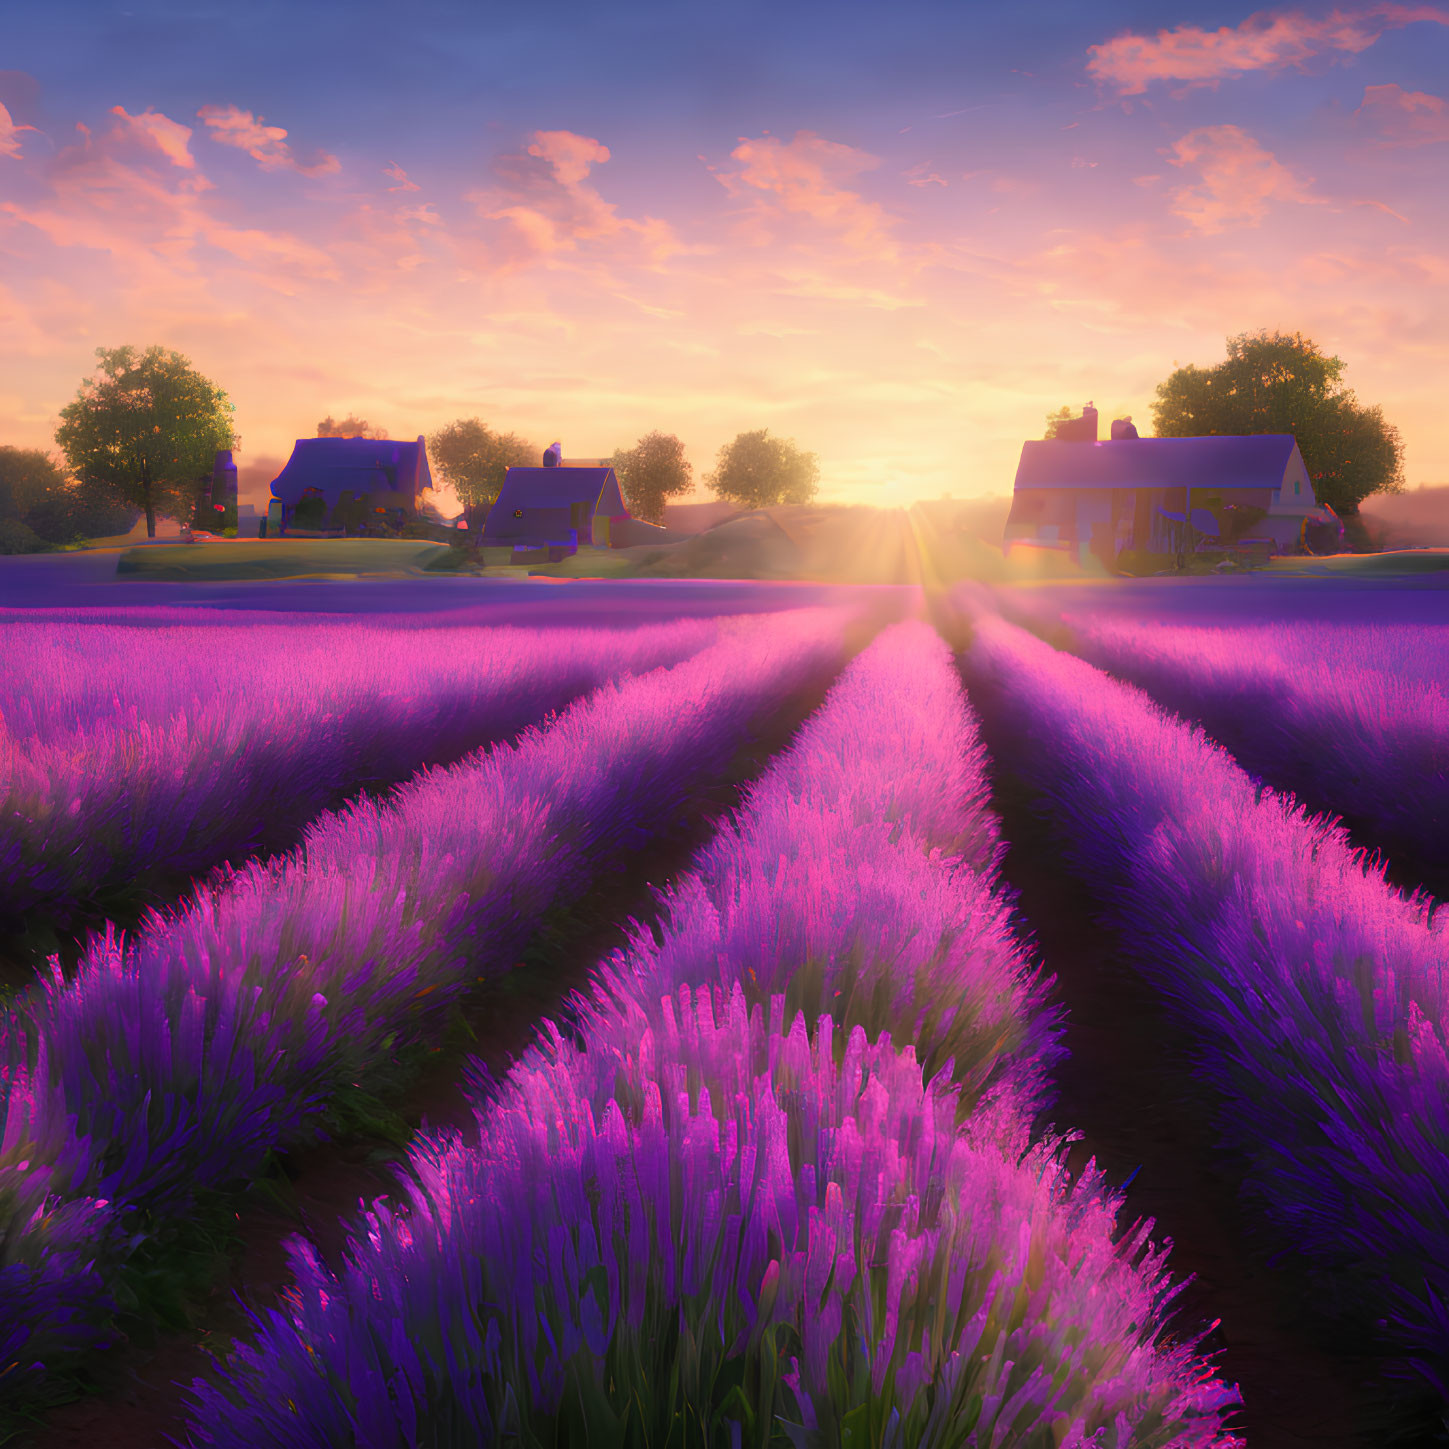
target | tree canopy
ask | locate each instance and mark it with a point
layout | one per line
(473, 459)
(650, 473)
(1282, 383)
(146, 431)
(42, 507)
(1055, 420)
(757, 471)
(350, 427)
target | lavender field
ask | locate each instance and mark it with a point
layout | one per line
(671, 1018)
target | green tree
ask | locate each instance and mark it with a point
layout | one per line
(473, 459)
(756, 471)
(1282, 383)
(650, 473)
(1055, 420)
(42, 507)
(146, 430)
(350, 427)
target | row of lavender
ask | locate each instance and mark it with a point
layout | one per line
(786, 1191)
(1315, 991)
(130, 756)
(178, 1062)
(1352, 722)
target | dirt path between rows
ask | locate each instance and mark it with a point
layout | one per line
(1127, 1087)
(138, 1400)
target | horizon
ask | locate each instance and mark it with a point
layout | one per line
(900, 242)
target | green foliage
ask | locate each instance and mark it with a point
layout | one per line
(650, 473)
(41, 508)
(1055, 420)
(146, 430)
(19, 537)
(473, 459)
(310, 512)
(1282, 383)
(758, 471)
(27, 477)
(350, 427)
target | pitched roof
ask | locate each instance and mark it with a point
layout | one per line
(1261, 460)
(337, 465)
(552, 487)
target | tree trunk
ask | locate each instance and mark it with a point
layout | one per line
(146, 499)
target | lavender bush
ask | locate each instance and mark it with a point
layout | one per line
(180, 1061)
(1354, 730)
(716, 1230)
(707, 1228)
(126, 756)
(831, 886)
(1316, 992)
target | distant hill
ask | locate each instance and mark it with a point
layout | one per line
(1415, 518)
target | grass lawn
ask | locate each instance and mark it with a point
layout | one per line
(1374, 565)
(280, 558)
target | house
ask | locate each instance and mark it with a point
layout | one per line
(556, 507)
(348, 484)
(1099, 498)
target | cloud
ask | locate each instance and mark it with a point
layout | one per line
(10, 134)
(170, 138)
(1265, 41)
(1404, 118)
(803, 178)
(1239, 180)
(920, 176)
(134, 190)
(545, 196)
(266, 145)
(400, 176)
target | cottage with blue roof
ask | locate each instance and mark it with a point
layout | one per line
(352, 485)
(1095, 498)
(555, 507)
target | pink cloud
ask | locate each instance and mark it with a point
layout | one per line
(1239, 180)
(10, 133)
(920, 176)
(400, 176)
(545, 196)
(804, 178)
(266, 145)
(1264, 41)
(170, 138)
(135, 191)
(1405, 118)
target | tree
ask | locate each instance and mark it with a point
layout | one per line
(1055, 420)
(350, 427)
(41, 507)
(473, 459)
(1284, 384)
(146, 431)
(651, 472)
(756, 471)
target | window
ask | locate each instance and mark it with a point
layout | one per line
(1297, 487)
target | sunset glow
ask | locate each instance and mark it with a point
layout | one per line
(900, 239)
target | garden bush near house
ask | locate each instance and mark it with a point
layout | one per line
(18, 537)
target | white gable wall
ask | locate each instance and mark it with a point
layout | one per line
(1295, 495)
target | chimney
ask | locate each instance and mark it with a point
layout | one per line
(552, 455)
(1089, 424)
(1122, 428)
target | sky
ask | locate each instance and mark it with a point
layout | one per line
(899, 236)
